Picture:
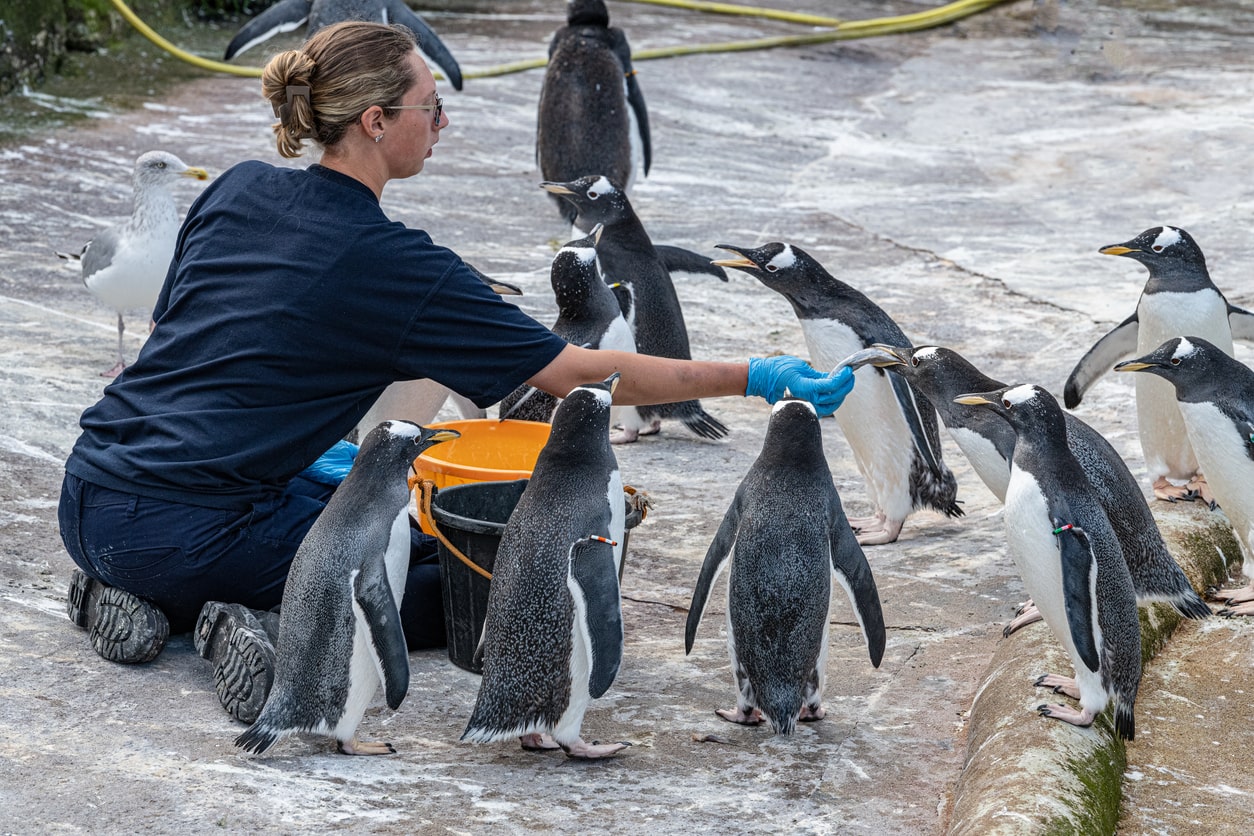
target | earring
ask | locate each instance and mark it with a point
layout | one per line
(379, 138)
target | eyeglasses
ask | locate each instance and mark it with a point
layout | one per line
(438, 107)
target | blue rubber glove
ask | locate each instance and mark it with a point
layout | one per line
(771, 377)
(333, 465)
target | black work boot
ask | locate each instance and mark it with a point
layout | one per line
(237, 641)
(122, 627)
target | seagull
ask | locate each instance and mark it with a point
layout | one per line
(125, 266)
(288, 15)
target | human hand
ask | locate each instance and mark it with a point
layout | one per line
(772, 377)
(825, 391)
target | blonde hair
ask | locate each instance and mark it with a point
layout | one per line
(320, 90)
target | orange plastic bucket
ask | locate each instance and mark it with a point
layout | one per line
(489, 450)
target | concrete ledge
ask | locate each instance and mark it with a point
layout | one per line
(1025, 774)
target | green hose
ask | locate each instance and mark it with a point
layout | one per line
(837, 30)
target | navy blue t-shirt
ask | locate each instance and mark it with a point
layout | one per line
(291, 303)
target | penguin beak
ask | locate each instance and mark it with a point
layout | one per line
(1117, 249)
(436, 436)
(596, 233)
(197, 173)
(873, 356)
(1136, 365)
(504, 288)
(555, 188)
(975, 399)
(741, 263)
(612, 382)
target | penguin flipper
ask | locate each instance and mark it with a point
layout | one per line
(1101, 358)
(281, 17)
(373, 594)
(715, 560)
(1242, 323)
(428, 42)
(679, 260)
(852, 571)
(1078, 567)
(920, 417)
(635, 97)
(592, 569)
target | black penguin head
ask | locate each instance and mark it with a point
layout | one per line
(587, 13)
(1024, 405)
(586, 408)
(793, 433)
(1191, 364)
(596, 198)
(1166, 251)
(403, 439)
(575, 273)
(783, 268)
(940, 373)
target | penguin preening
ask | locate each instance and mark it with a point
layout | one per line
(890, 427)
(288, 15)
(588, 315)
(647, 298)
(1216, 397)
(340, 629)
(786, 537)
(553, 637)
(988, 441)
(1069, 558)
(592, 117)
(1179, 298)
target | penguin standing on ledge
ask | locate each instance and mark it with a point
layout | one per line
(890, 427)
(592, 117)
(1179, 298)
(287, 15)
(1216, 396)
(1069, 559)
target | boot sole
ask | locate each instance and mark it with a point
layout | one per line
(122, 627)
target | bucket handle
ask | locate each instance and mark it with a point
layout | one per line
(426, 492)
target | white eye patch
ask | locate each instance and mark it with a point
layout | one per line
(602, 395)
(799, 404)
(785, 259)
(1168, 237)
(586, 255)
(402, 429)
(1184, 349)
(1020, 394)
(600, 187)
(927, 352)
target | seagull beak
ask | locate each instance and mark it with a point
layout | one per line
(198, 173)
(1117, 249)
(741, 263)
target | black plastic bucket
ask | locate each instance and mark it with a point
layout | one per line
(472, 518)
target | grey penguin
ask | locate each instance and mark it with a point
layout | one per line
(289, 15)
(786, 537)
(553, 638)
(339, 622)
(1179, 298)
(588, 315)
(988, 441)
(1069, 558)
(890, 426)
(592, 115)
(1216, 397)
(647, 298)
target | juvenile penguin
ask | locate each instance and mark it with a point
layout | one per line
(592, 115)
(553, 637)
(339, 624)
(1179, 298)
(125, 266)
(288, 15)
(786, 537)
(587, 315)
(988, 441)
(647, 299)
(891, 428)
(1216, 396)
(1069, 559)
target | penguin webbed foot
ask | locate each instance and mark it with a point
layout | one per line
(1059, 685)
(538, 742)
(1232, 596)
(1075, 716)
(1198, 487)
(1169, 492)
(1025, 615)
(752, 717)
(369, 747)
(579, 750)
(887, 532)
(624, 436)
(811, 714)
(114, 370)
(1245, 609)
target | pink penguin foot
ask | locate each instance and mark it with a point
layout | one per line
(1028, 614)
(1067, 714)
(114, 371)
(1232, 596)
(591, 751)
(1165, 490)
(1198, 487)
(624, 436)
(1059, 684)
(369, 747)
(887, 532)
(744, 718)
(811, 715)
(537, 742)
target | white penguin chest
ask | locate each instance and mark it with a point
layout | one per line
(617, 336)
(993, 470)
(1221, 453)
(1202, 313)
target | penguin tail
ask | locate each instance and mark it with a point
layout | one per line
(1125, 722)
(1190, 605)
(704, 424)
(934, 489)
(260, 737)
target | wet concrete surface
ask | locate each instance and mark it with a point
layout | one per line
(963, 178)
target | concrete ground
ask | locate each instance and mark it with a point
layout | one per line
(963, 178)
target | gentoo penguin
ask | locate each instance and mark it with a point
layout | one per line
(287, 15)
(587, 315)
(1069, 559)
(339, 623)
(1179, 298)
(125, 266)
(790, 538)
(1216, 396)
(988, 441)
(419, 400)
(592, 115)
(890, 427)
(553, 636)
(648, 300)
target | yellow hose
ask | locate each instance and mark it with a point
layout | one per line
(838, 30)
